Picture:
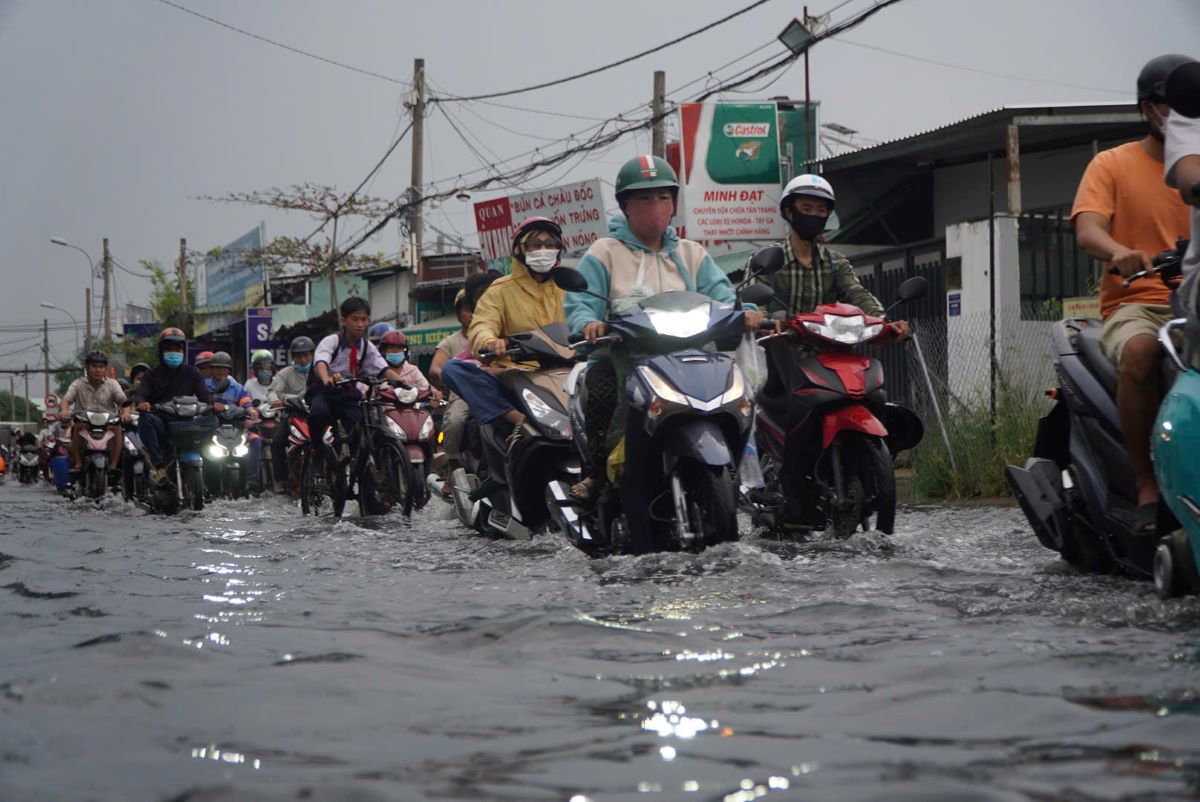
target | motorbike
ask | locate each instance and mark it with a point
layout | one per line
(309, 483)
(509, 498)
(227, 471)
(134, 473)
(99, 427)
(191, 424)
(29, 462)
(56, 464)
(409, 417)
(269, 421)
(1077, 489)
(826, 444)
(694, 408)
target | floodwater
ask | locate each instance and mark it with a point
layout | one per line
(249, 653)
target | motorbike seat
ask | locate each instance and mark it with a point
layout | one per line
(1087, 342)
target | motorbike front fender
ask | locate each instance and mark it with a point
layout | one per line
(700, 439)
(99, 460)
(852, 418)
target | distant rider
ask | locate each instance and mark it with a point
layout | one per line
(95, 392)
(291, 382)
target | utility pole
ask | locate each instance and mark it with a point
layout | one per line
(658, 139)
(810, 136)
(27, 413)
(333, 299)
(87, 306)
(12, 396)
(418, 156)
(107, 296)
(183, 283)
(46, 352)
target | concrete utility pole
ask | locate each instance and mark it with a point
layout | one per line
(658, 140)
(12, 396)
(27, 413)
(1012, 148)
(46, 352)
(333, 299)
(183, 284)
(87, 305)
(418, 156)
(107, 296)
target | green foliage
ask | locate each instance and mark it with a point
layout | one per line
(165, 299)
(982, 448)
(6, 408)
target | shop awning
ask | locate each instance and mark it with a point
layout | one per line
(424, 337)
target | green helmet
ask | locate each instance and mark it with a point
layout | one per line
(645, 172)
(261, 355)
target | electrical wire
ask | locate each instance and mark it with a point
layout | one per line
(596, 70)
(289, 48)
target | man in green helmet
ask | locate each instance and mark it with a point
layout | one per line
(642, 256)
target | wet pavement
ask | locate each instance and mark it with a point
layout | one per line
(248, 653)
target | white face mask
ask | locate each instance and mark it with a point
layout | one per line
(541, 261)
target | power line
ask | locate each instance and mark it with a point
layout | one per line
(979, 71)
(289, 48)
(596, 70)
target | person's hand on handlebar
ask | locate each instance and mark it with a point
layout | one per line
(754, 319)
(497, 346)
(1127, 261)
(900, 329)
(144, 406)
(594, 330)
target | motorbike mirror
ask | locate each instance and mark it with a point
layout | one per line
(569, 279)
(1182, 89)
(767, 261)
(757, 294)
(913, 288)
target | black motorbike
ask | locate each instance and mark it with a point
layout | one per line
(29, 462)
(1078, 489)
(690, 415)
(134, 470)
(191, 425)
(227, 463)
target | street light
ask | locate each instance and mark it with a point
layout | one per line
(45, 305)
(795, 37)
(92, 273)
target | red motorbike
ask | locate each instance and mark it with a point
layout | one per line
(309, 484)
(409, 417)
(825, 444)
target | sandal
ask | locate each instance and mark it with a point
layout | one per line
(582, 490)
(1144, 519)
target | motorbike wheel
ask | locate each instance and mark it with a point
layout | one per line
(193, 487)
(94, 482)
(336, 476)
(401, 490)
(880, 484)
(310, 499)
(419, 484)
(711, 501)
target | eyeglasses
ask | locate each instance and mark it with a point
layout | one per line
(545, 243)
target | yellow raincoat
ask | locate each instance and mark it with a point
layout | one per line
(513, 304)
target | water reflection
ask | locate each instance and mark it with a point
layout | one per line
(213, 752)
(670, 719)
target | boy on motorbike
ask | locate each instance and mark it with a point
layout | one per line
(168, 379)
(522, 301)
(291, 382)
(642, 256)
(262, 370)
(95, 392)
(1124, 214)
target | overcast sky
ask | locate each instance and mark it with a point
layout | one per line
(116, 115)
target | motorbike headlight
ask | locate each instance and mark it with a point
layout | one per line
(845, 329)
(396, 429)
(737, 387)
(661, 387)
(427, 429)
(216, 450)
(97, 419)
(241, 449)
(407, 396)
(687, 323)
(553, 421)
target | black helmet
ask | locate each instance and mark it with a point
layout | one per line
(96, 358)
(221, 359)
(142, 366)
(1151, 81)
(301, 345)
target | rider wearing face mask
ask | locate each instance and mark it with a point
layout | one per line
(262, 371)
(525, 300)
(291, 382)
(394, 347)
(170, 378)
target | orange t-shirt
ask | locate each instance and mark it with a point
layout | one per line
(1126, 185)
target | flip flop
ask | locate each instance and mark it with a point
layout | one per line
(1144, 519)
(582, 490)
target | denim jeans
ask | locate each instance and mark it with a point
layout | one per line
(486, 395)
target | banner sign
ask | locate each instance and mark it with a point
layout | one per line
(731, 171)
(229, 282)
(260, 334)
(578, 208)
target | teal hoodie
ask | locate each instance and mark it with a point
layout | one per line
(622, 251)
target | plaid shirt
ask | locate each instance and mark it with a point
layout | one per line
(829, 279)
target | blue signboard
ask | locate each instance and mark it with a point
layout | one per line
(260, 334)
(229, 274)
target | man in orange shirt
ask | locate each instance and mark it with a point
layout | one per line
(1124, 215)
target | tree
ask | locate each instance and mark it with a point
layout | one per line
(327, 207)
(6, 408)
(165, 298)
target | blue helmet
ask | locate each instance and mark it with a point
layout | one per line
(376, 332)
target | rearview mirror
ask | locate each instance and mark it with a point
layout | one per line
(767, 261)
(1183, 89)
(912, 288)
(569, 279)
(757, 294)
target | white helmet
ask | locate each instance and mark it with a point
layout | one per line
(808, 184)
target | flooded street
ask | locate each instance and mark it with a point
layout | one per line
(248, 653)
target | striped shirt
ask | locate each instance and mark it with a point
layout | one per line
(829, 279)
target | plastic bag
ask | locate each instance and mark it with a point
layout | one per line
(752, 359)
(750, 473)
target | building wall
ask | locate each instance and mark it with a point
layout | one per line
(390, 295)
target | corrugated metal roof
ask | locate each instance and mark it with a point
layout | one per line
(980, 121)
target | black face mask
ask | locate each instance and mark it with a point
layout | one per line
(807, 226)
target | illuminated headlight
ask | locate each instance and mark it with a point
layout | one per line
(849, 330)
(680, 324)
(241, 449)
(427, 429)
(216, 450)
(661, 387)
(551, 419)
(395, 429)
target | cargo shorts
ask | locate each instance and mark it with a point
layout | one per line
(1128, 322)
